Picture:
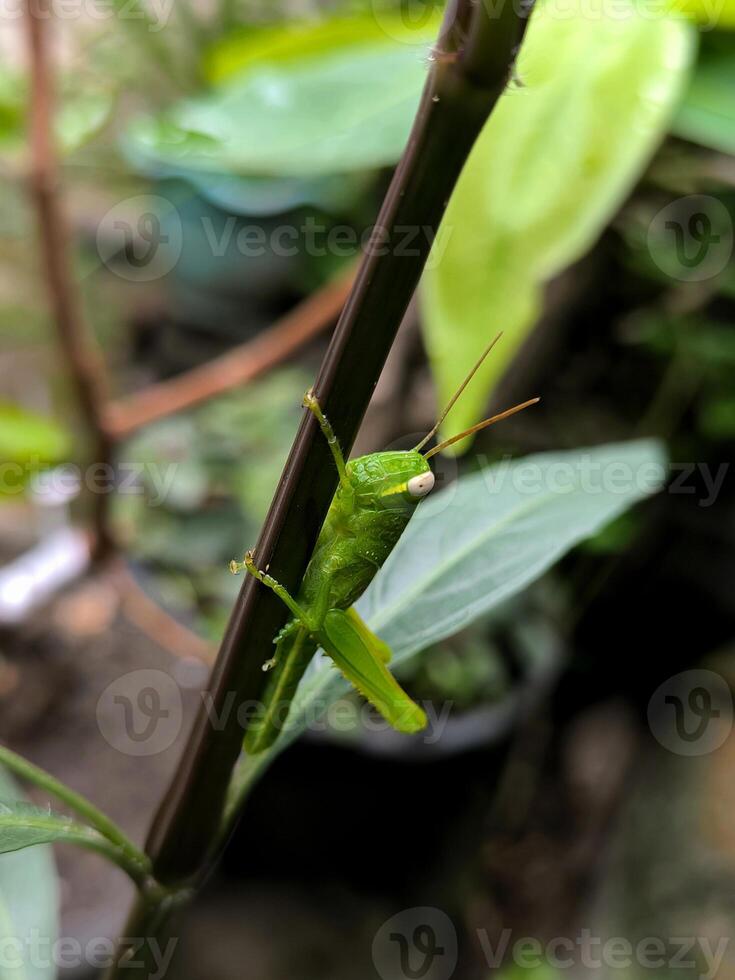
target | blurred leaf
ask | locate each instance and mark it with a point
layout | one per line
(708, 13)
(28, 902)
(298, 116)
(707, 114)
(615, 537)
(716, 416)
(205, 481)
(551, 167)
(80, 117)
(250, 48)
(81, 114)
(27, 438)
(477, 543)
(540, 971)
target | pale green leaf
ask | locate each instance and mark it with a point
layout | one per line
(554, 162)
(474, 545)
(28, 905)
(482, 540)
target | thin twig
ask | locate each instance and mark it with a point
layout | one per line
(155, 621)
(236, 367)
(83, 360)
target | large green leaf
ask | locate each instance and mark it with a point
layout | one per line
(476, 544)
(308, 102)
(554, 162)
(28, 903)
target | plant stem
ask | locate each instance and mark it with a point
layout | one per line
(455, 105)
(83, 359)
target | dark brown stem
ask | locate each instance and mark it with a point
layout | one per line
(83, 360)
(453, 110)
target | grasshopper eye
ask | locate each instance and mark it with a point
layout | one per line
(419, 486)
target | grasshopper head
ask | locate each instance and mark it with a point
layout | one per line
(394, 479)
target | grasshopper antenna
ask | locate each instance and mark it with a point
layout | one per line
(481, 425)
(457, 393)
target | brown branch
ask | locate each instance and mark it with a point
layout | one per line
(155, 621)
(242, 364)
(83, 359)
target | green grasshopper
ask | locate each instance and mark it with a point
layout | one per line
(376, 497)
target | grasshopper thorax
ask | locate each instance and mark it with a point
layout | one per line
(392, 479)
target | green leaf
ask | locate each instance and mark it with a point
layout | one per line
(313, 104)
(28, 903)
(29, 438)
(476, 544)
(480, 542)
(24, 825)
(707, 114)
(552, 165)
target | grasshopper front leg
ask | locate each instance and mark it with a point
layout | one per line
(310, 401)
(248, 564)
